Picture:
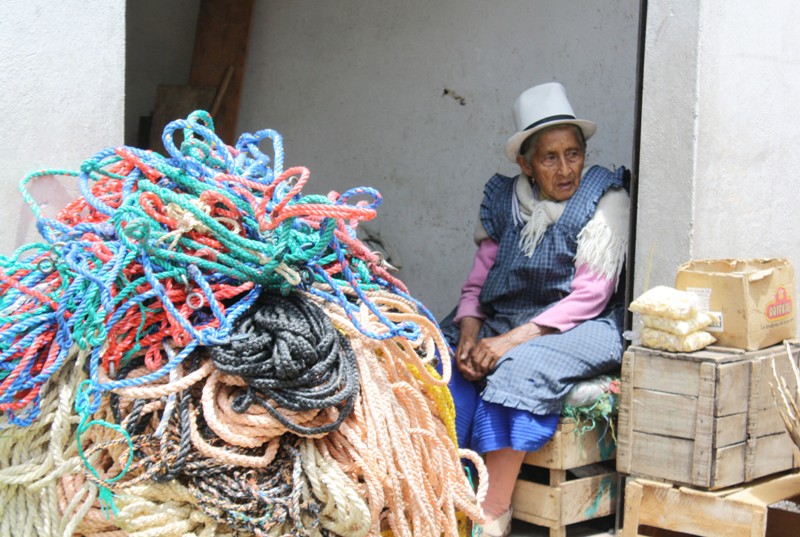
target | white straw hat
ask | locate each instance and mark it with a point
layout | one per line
(540, 107)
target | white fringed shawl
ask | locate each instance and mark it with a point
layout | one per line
(602, 243)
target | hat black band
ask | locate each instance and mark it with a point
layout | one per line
(548, 120)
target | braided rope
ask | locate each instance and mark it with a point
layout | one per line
(165, 510)
(35, 460)
(238, 361)
(156, 247)
(290, 356)
(395, 429)
(343, 510)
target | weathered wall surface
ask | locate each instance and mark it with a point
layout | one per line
(62, 91)
(414, 98)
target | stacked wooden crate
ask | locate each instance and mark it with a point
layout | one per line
(572, 483)
(703, 421)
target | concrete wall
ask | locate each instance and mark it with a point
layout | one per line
(62, 88)
(718, 173)
(365, 93)
(414, 98)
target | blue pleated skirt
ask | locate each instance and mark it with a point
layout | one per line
(484, 426)
(519, 403)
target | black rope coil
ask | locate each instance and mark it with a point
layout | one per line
(291, 356)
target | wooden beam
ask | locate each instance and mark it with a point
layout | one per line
(219, 58)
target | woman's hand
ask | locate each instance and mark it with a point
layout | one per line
(470, 327)
(489, 350)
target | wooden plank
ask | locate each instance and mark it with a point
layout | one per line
(557, 477)
(663, 457)
(221, 39)
(773, 454)
(689, 511)
(752, 405)
(651, 372)
(569, 502)
(672, 411)
(729, 430)
(729, 466)
(766, 422)
(702, 456)
(176, 102)
(570, 448)
(588, 498)
(537, 504)
(714, 354)
(738, 512)
(633, 503)
(733, 388)
(672, 459)
(624, 416)
(770, 490)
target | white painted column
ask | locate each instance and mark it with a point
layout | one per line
(62, 91)
(718, 174)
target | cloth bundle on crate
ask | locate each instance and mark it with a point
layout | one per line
(199, 348)
(593, 402)
(672, 320)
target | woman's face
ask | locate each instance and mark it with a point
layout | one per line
(556, 163)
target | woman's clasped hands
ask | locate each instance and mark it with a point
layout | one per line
(477, 358)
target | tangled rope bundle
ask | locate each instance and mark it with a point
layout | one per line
(199, 348)
(291, 354)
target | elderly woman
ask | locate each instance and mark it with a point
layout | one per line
(541, 308)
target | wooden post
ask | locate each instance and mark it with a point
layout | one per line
(220, 53)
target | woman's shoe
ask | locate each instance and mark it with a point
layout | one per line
(499, 527)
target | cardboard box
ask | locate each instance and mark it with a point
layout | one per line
(752, 299)
(706, 419)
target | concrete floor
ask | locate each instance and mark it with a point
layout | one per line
(603, 527)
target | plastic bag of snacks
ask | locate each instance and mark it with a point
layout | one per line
(658, 339)
(673, 320)
(667, 302)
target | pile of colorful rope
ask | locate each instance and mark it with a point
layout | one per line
(197, 347)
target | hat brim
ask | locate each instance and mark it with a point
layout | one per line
(512, 146)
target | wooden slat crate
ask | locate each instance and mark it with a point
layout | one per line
(706, 419)
(577, 487)
(742, 511)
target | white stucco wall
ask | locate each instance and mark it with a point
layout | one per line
(668, 143)
(62, 76)
(718, 174)
(357, 90)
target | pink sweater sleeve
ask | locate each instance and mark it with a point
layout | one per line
(589, 296)
(468, 305)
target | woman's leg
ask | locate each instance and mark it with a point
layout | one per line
(503, 467)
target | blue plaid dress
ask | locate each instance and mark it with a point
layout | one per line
(518, 404)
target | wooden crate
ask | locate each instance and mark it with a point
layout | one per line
(577, 487)
(742, 511)
(706, 419)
